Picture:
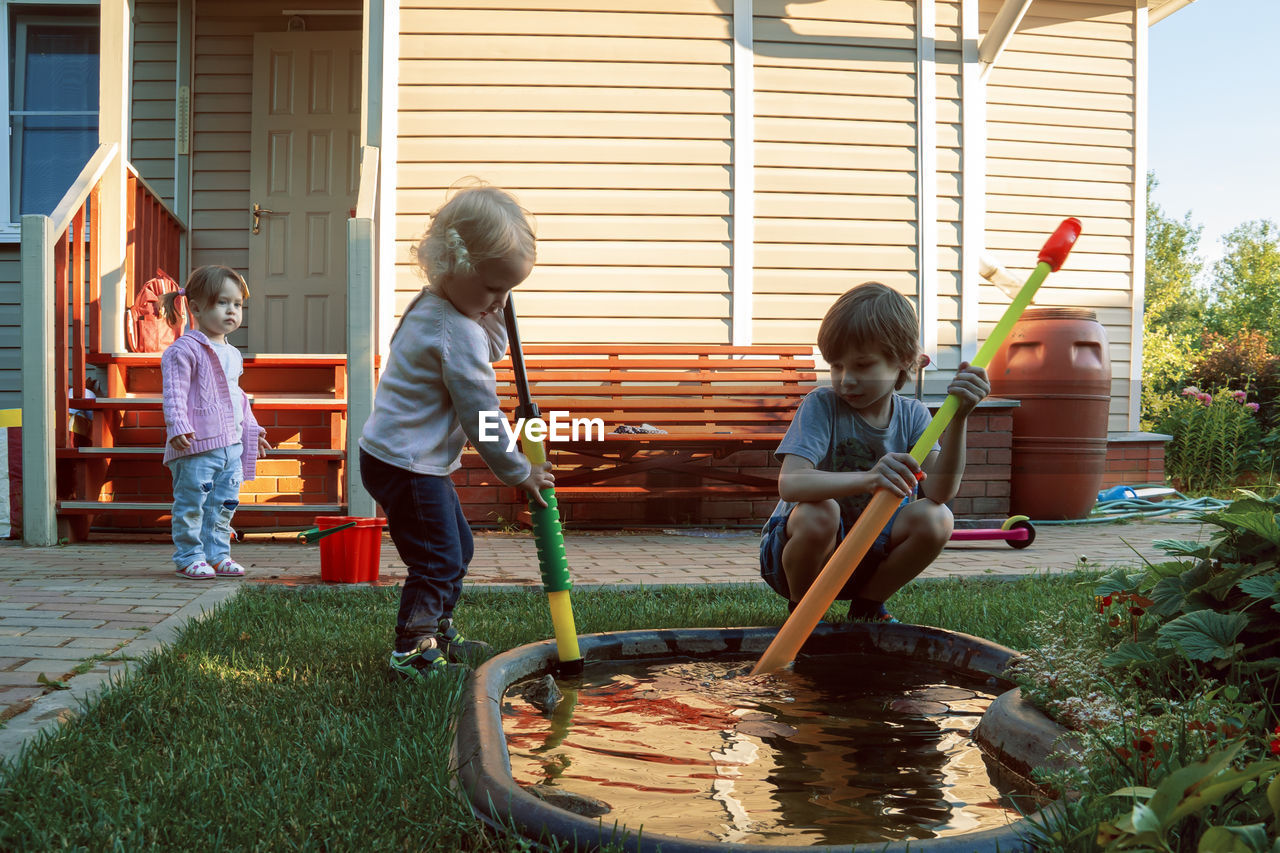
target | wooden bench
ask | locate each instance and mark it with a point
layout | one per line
(711, 401)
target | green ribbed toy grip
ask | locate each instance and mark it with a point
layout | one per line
(548, 536)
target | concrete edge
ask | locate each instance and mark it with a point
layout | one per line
(59, 706)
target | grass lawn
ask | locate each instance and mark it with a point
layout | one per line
(271, 725)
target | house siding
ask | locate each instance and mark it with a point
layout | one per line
(10, 326)
(614, 127)
(1060, 129)
(222, 102)
(835, 157)
(151, 126)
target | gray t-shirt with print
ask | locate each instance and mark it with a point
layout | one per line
(830, 434)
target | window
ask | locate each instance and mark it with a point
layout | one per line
(53, 102)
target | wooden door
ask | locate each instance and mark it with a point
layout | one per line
(305, 158)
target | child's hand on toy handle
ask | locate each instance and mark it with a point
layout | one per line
(181, 442)
(539, 478)
(897, 472)
(970, 387)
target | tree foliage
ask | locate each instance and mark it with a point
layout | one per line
(1246, 281)
(1173, 303)
(1173, 306)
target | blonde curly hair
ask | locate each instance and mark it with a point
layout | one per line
(478, 223)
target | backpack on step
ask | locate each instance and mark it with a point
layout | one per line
(145, 329)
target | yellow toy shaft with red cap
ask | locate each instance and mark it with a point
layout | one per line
(548, 535)
(800, 624)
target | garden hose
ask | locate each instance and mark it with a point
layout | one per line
(1125, 508)
(548, 535)
(800, 624)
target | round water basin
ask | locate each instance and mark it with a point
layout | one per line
(706, 728)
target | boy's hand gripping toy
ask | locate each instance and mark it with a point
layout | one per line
(880, 509)
(547, 534)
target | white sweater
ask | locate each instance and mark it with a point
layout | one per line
(437, 379)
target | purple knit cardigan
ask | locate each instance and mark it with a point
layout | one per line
(197, 401)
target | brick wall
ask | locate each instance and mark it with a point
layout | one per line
(984, 491)
(1134, 459)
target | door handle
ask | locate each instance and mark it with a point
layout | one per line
(258, 213)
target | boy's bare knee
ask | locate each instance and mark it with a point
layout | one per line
(816, 522)
(937, 520)
(927, 521)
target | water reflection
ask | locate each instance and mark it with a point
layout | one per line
(841, 749)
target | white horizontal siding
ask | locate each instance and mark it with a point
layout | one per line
(835, 122)
(1061, 143)
(612, 127)
(151, 120)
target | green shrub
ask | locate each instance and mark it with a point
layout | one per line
(1173, 689)
(1215, 438)
(1245, 361)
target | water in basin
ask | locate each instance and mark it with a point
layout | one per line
(841, 749)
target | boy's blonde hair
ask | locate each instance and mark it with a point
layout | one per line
(872, 316)
(479, 223)
(202, 287)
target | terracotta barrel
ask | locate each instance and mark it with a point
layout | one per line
(1056, 363)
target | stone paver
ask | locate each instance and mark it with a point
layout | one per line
(65, 605)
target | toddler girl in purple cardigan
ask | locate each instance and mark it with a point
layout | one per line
(213, 441)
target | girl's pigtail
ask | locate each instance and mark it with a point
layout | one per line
(169, 311)
(456, 254)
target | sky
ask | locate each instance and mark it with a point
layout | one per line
(1214, 117)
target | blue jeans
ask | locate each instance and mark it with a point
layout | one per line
(424, 517)
(774, 538)
(206, 494)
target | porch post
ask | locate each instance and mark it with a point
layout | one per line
(362, 261)
(973, 178)
(1141, 35)
(927, 178)
(39, 524)
(113, 126)
(743, 234)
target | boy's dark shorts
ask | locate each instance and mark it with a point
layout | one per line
(774, 539)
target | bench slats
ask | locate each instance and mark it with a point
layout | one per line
(777, 367)
(668, 349)
(710, 404)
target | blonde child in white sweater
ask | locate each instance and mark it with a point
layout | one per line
(437, 380)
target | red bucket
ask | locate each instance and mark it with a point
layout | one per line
(351, 555)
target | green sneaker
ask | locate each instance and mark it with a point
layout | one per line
(458, 649)
(424, 662)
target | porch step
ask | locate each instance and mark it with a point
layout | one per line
(158, 452)
(300, 403)
(96, 507)
(152, 359)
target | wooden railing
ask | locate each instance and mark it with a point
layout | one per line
(362, 342)
(62, 312)
(76, 284)
(153, 235)
(60, 275)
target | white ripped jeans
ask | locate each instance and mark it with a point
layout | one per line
(206, 494)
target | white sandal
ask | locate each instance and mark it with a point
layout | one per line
(199, 570)
(229, 568)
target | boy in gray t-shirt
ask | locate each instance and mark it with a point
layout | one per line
(852, 438)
